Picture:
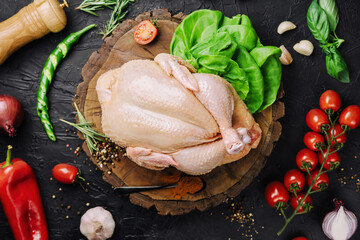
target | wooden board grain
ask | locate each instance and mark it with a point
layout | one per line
(223, 182)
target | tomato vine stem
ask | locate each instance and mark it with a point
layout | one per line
(309, 191)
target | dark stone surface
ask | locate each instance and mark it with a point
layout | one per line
(303, 81)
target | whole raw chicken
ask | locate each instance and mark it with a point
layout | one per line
(167, 115)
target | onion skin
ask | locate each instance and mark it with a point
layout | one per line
(330, 217)
(11, 115)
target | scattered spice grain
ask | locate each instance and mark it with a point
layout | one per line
(107, 152)
(246, 219)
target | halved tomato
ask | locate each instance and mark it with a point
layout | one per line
(145, 32)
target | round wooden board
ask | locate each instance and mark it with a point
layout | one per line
(223, 182)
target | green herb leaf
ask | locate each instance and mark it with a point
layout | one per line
(331, 10)
(318, 22)
(219, 45)
(91, 135)
(336, 65)
(89, 6)
(116, 18)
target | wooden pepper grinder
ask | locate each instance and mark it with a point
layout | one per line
(31, 22)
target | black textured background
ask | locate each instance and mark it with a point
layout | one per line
(304, 81)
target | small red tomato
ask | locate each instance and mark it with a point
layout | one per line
(350, 116)
(294, 180)
(337, 130)
(276, 194)
(309, 157)
(65, 173)
(300, 238)
(333, 159)
(145, 32)
(306, 205)
(316, 120)
(313, 139)
(322, 182)
(330, 100)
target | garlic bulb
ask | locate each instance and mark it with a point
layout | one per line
(97, 224)
(339, 224)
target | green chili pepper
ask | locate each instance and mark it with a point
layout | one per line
(47, 74)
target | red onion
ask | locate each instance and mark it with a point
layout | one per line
(339, 224)
(11, 114)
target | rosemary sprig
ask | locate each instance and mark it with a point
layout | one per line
(116, 18)
(90, 6)
(91, 135)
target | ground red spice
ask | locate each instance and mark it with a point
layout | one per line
(186, 185)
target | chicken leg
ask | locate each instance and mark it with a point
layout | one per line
(178, 68)
(195, 160)
(210, 91)
(211, 94)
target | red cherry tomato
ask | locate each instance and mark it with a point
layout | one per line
(316, 119)
(306, 206)
(312, 139)
(294, 180)
(145, 32)
(65, 173)
(330, 100)
(307, 156)
(337, 130)
(276, 194)
(350, 116)
(300, 238)
(322, 182)
(333, 159)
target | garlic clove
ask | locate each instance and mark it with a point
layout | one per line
(285, 26)
(285, 57)
(304, 47)
(97, 224)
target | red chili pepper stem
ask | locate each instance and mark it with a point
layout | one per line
(8, 157)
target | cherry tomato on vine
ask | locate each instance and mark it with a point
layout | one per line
(145, 32)
(65, 173)
(350, 116)
(300, 238)
(313, 139)
(333, 160)
(317, 120)
(294, 180)
(337, 130)
(306, 206)
(276, 194)
(321, 183)
(330, 100)
(309, 157)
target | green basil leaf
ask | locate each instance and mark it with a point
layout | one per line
(318, 22)
(243, 35)
(336, 65)
(255, 96)
(216, 44)
(219, 45)
(331, 10)
(271, 71)
(226, 68)
(267, 58)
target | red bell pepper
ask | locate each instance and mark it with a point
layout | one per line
(20, 198)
